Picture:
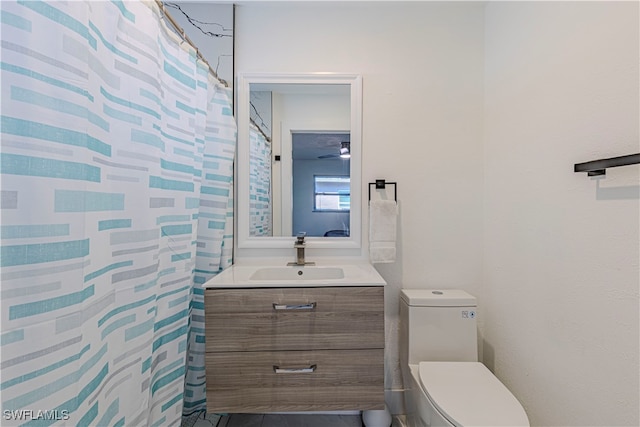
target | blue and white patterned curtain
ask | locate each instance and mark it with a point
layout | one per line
(260, 217)
(214, 243)
(116, 163)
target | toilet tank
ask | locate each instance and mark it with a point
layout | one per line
(438, 325)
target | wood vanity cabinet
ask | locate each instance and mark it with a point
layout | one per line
(294, 349)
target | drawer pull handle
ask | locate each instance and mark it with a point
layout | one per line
(310, 306)
(279, 370)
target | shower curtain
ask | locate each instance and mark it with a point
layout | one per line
(116, 182)
(260, 213)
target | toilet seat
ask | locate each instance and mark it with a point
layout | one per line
(468, 394)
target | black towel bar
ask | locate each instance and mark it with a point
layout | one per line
(599, 167)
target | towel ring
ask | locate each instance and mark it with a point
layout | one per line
(381, 184)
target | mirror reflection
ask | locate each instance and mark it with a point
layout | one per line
(321, 184)
(299, 160)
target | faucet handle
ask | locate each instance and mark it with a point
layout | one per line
(300, 236)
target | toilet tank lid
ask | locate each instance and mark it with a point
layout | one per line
(437, 298)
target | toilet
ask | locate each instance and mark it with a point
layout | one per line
(445, 385)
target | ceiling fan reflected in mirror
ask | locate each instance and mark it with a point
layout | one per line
(344, 152)
(320, 145)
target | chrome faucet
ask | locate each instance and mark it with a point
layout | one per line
(299, 246)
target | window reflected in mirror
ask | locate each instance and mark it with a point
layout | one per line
(331, 193)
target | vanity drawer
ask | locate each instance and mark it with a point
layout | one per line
(327, 299)
(329, 380)
(294, 318)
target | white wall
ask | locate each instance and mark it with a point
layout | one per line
(482, 138)
(422, 67)
(560, 297)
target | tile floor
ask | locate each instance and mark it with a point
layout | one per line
(277, 420)
(291, 420)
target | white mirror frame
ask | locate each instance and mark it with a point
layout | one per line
(244, 80)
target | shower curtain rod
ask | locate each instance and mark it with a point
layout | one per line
(186, 38)
(259, 130)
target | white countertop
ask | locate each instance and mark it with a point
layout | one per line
(353, 273)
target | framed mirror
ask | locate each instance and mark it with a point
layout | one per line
(299, 160)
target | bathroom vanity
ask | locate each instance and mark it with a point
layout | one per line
(288, 339)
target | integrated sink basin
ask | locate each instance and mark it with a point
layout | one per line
(298, 273)
(278, 274)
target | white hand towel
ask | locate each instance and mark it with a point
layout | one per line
(382, 231)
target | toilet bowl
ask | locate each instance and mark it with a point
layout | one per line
(445, 385)
(463, 394)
